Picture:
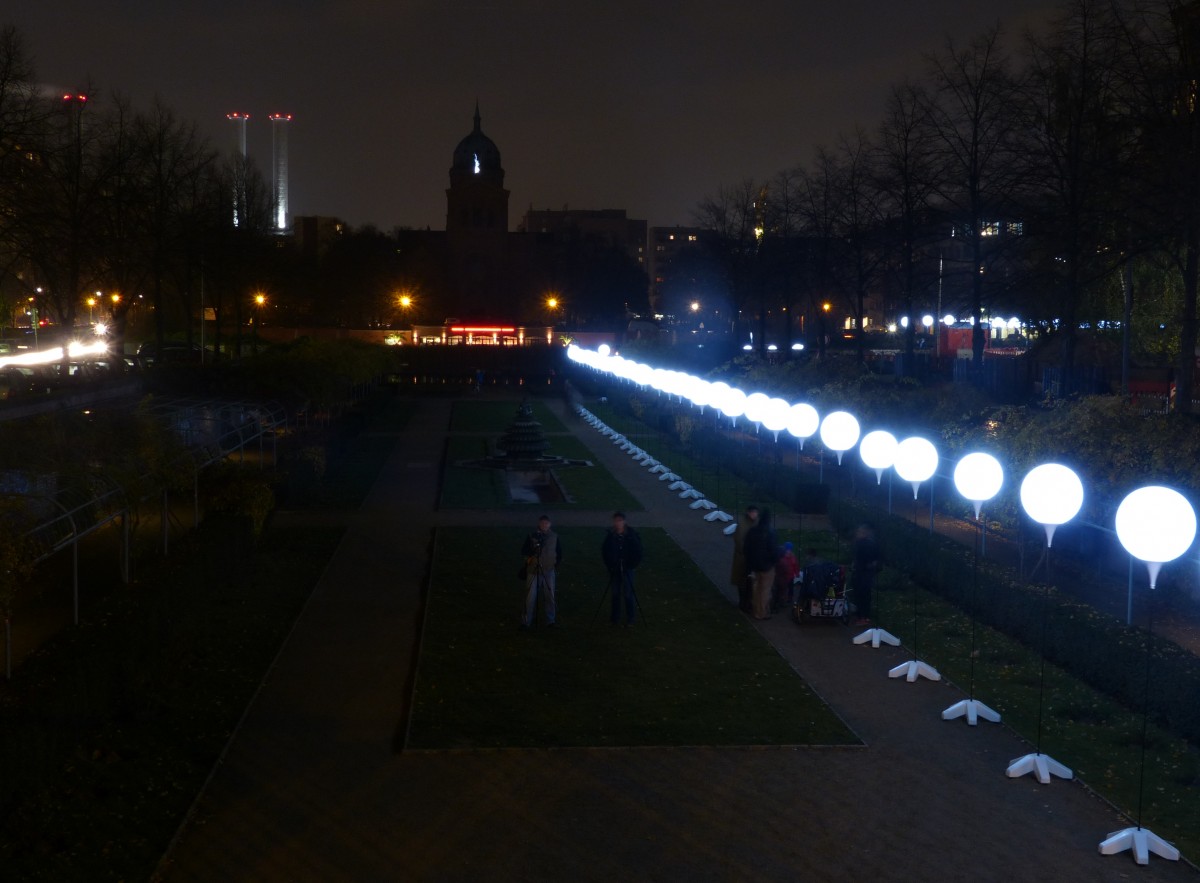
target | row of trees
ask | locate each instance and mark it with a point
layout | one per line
(1055, 177)
(97, 196)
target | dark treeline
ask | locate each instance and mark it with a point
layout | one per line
(97, 196)
(1051, 176)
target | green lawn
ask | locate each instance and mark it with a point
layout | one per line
(692, 671)
(469, 487)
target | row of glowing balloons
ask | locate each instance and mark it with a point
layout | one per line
(1155, 524)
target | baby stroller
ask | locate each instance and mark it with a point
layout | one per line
(820, 593)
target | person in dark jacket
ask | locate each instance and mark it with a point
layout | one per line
(622, 553)
(762, 552)
(739, 573)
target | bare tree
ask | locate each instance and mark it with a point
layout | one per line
(1073, 135)
(904, 175)
(972, 118)
(733, 215)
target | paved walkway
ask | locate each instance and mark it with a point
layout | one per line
(313, 788)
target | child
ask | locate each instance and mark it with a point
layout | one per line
(785, 574)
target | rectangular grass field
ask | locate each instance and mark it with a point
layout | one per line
(691, 671)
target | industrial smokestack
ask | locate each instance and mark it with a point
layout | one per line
(279, 169)
(239, 121)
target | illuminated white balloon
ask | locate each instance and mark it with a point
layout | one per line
(775, 416)
(756, 406)
(916, 461)
(978, 477)
(878, 451)
(1157, 525)
(839, 432)
(1051, 494)
(803, 422)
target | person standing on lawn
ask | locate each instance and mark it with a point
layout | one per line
(622, 553)
(739, 572)
(543, 554)
(762, 552)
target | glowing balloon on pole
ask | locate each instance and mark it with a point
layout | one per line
(978, 477)
(878, 451)
(839, 432)
(916, 461)
(803, 422)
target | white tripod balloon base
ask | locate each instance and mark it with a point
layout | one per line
(914, 669)
(877, 636)
(1142, 841)
(1043, 765)
(973, 709)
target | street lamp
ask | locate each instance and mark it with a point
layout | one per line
(1157, 525)
(91, 305)
(1051, 495)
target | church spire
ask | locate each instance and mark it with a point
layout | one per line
(477, 115)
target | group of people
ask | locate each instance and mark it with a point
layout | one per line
(764, 571)
(621, 553)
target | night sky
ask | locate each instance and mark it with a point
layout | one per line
(643, 106)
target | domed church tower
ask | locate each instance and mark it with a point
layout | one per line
(476, 202)
(477, 228)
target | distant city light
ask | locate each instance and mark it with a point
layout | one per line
(797, 347)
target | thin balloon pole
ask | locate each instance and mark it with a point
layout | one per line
(1145, 706)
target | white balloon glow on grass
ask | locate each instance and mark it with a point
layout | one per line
(978, 477)
(916, 461)
(839, 432)
(878, 452)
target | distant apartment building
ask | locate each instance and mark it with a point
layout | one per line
(663, 266)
